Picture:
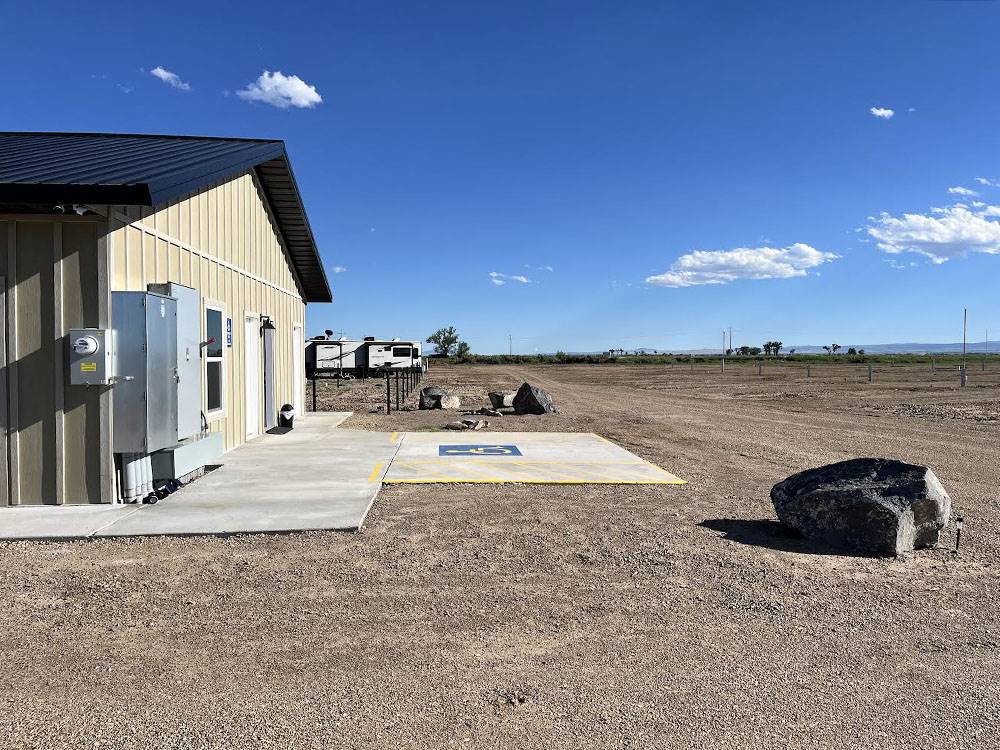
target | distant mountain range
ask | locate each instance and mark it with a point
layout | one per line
(973, 347)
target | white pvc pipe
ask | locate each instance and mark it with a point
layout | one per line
(128, 471)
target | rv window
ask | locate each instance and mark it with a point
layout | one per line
(401, 351)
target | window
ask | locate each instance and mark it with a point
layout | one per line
(215, 374)
(401, 351)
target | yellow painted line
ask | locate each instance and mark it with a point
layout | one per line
(392, 437)
(374, 475)
(512, 460)
(450, 480)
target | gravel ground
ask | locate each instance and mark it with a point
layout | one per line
(547, 616)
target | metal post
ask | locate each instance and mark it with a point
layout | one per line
(808, 371)
(388, 399)
(760, 367)
(397, 390)
(314, 391)
(869, 373)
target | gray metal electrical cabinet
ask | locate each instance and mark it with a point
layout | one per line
(188, 356)
(145, 396)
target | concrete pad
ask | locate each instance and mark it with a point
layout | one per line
(59, 521)
(528, 457)
(314, 477)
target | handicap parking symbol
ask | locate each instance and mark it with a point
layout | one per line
(478, 450)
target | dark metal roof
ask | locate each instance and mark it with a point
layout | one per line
(149, 170)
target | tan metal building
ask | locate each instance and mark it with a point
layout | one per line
(84, 216)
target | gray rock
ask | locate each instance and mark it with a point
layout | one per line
(467, 424)
(450, 402)
(873, 506)
(430, 397)
(501, 399)
(530, 399)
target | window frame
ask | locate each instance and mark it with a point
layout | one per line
(215, 414)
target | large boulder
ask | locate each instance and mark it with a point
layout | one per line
(530, 399)
(430, 397)
(874, 506)
(501, 399)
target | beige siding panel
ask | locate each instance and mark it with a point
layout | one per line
(233, 255)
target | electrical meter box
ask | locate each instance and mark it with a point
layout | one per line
(145, 392)
(91, 356)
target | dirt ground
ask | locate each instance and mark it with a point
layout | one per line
(503, 616)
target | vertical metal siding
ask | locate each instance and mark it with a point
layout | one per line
(222, 242)
(54, 431)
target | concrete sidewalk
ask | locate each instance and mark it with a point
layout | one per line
(314, 477)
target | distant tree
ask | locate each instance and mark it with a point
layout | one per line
(729, 352)
(754, 351)
(744, 351)
(852, 351)
(835, 348)
(776, 347)
(861, 352)
(767, 348)
(791, 351)
(463, 350)
(444, 340)
(828, 350)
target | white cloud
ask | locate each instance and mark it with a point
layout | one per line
(987, 181)
(502, 278)
(961, 191)
(538, 268)
(281, 91)
(124, 89)
(882, 113)
(952, 232)
(170, 78)
(724, 266)
(338, 269)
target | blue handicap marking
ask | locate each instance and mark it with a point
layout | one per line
(478, 450)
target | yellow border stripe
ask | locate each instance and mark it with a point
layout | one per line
(375, 472)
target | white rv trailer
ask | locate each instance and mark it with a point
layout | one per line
(350, 357)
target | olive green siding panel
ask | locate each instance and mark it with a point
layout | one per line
(34, 354)
(81, 408)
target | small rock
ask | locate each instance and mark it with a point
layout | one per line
(530, 399)
(476, 424)
(501, 399)
(456, 426)
(450, 402)
(870, 505)
(487, 412)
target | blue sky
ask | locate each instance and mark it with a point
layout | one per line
(606, 141)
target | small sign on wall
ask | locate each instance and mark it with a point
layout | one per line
(229, 333)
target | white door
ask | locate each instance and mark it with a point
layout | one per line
(298, 387)
(251, 339)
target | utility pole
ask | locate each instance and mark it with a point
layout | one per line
(510, 345)
(965, 333)
(723, 349)
(965, 337)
